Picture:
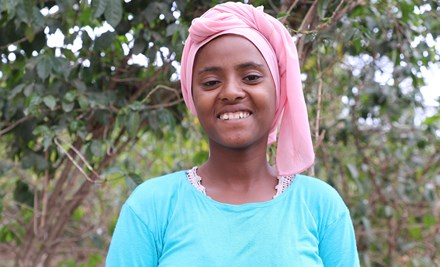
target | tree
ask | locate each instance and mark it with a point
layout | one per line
(69, 111)
(73, 116)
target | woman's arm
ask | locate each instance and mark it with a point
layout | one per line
(133, 243)
(337, 247)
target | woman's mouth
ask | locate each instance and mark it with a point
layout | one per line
(234, 115)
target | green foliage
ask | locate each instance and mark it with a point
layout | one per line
(82, 122)
(374, 146)
(67, 110)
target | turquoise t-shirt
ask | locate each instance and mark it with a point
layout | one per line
(167, 222)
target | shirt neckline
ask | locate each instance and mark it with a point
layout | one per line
(243, 206)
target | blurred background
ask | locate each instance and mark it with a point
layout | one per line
(90, 106)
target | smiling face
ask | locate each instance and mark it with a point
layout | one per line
(233, 92)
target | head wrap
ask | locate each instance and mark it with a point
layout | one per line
(294, 149)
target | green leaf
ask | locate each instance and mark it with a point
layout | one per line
(121, 119)
(153, 120)
(10, 6)
(29, 33)
(139, 46)
(23, 194)
(44, 67)
(73, 126)
(415, 232)
(172, 28)
(105, 40)
(38, 18)
(200, 157)
(432, 120)
(154, 9)
(113, 172)
(136, 178)
(429, 220)
(83, 102)
(166, 118)
(406, 10)
(136, 106)
(70, 96)
(65, 4)
(322, 8)
(33, 103)
(25, 11)
(281, 15)
(60, 66)
(67, 106)
(132, 180)
(96, 148)
(132, 123)
(78, 214)
(28, 90)
(94, 260)
(17, 89)
(80, 85)
(98, 7)
(47, 142)
(50, 102)
(86, 39)
(8, 235)
(113, 12)
(41, 130)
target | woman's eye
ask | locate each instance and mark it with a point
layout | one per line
(252, 78)
(210, 83)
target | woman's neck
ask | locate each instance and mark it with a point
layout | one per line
(238, 175)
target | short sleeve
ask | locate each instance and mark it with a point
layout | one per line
(132, 243)
(337, 247)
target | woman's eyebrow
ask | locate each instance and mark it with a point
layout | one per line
(209, 69)
(249, 65)
(241, 66)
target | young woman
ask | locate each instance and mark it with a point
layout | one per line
(240, 77)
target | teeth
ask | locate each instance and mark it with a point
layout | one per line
(234, 115)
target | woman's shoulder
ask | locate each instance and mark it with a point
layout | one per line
(163, 182)
(151, 203)
(315, 186)
(157, 189)
(319, 196)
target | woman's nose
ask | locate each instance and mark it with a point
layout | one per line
(232, 91)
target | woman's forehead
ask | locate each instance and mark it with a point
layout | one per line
(232, 49)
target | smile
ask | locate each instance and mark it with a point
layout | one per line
(234, 115)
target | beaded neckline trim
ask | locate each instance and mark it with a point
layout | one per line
(196, 181)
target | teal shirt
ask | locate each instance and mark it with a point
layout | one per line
(167, 222)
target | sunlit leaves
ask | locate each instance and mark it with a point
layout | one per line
(380, 150)
(433, 119)
(82, 90)
(88, 91)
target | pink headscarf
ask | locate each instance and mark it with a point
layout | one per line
(295, 149)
